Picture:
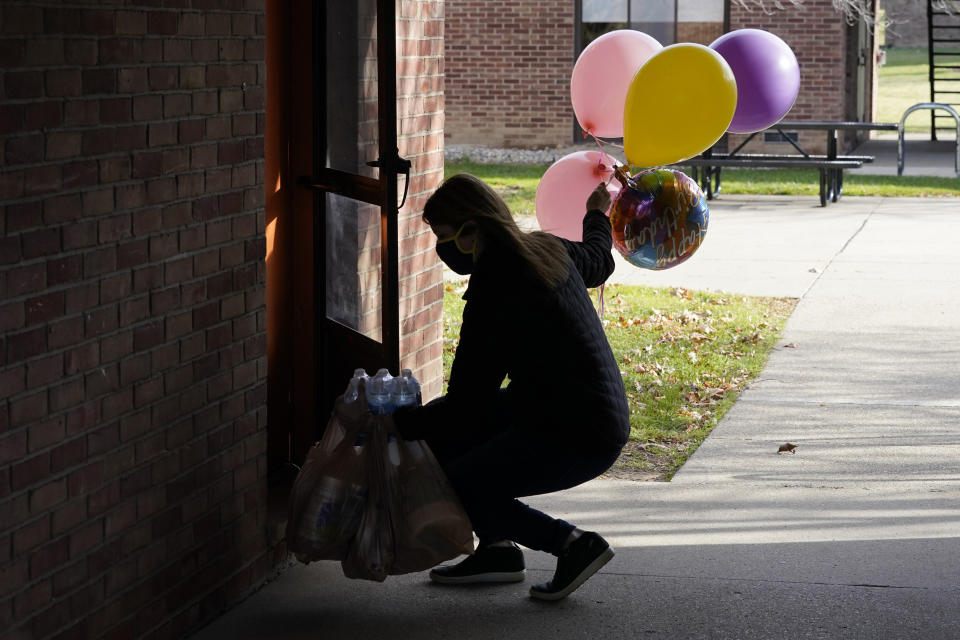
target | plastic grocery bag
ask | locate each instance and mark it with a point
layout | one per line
(431, 525)
(329, 494)
(371, 552)
(379, 504)
(413, 520)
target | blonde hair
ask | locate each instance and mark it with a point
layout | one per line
(464, 197)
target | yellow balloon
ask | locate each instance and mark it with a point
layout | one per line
(679, 104)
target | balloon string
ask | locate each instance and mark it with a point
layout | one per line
(601, 168)
(600, 299)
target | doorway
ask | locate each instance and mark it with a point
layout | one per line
(332, 181)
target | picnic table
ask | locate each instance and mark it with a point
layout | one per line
(830, 165)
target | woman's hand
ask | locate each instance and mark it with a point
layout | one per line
(599, 198)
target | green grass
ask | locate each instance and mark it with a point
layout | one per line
(807, 182)
(518, 183)
(685, 357)
(902, 83)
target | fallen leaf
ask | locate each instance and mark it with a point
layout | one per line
(790, 345)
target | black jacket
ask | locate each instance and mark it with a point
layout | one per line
(564, 381)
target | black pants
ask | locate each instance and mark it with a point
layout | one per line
(490, 469)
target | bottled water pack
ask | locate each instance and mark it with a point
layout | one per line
(385, 393)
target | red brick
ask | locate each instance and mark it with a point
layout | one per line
(176, 105)
(63, 82)
(63, 145)
(30, 471)
(37, 180)
(27, 279)
(149, 107)
(101, 321)
(81, 358)
(67, 455)
(163, 78)
(175, 160)
(85, 538)
(31, 535)
(205, 102)
(114, 228)
(61, 270)
(68, 331)
(100, 261)
(99, 82)
(11, 119)
(132, 254)
(133, 80)
(20, 19)
(119, 50)
(116, 287)
(162, 23)
(23, 84)
(69, 577)
(204, 51)
(176, 50)
(24, 149)
(43, 242)
(80, 51)
(79, 174)
(35, 597)
(48, 495)
(43, 371)
(21, 346)
(130, 196)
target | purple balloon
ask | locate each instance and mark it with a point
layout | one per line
(767, 75)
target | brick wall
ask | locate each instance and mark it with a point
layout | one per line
(508, 68)
(700, 32)
(817, 33)
(132, 367)
(420, 110)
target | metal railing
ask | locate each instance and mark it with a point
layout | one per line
(901, 146)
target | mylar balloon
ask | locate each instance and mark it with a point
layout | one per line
(679, 103)
(563, 191)
(602, 75)
(767, 75)
(659, 219)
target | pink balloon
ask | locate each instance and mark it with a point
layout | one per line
(602, 76)
(563, 191)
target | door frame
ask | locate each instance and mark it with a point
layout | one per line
(303, 380)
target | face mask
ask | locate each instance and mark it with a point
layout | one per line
(453, 256)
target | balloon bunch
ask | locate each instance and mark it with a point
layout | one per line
(668, 104)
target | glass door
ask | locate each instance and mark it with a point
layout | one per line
(354, 185)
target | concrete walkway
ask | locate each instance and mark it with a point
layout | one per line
(855, 536)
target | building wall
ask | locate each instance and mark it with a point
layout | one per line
(508, 68)
(818, 35)
(133, 405)
(420, 131)
(132, 356)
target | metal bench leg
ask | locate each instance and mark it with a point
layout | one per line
(823, 187)
(717, 185)
(837, 184)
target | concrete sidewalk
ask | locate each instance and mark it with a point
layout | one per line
(855, 536)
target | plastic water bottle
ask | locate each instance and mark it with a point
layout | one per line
(408, 390)
(379, 391)
(353, 389)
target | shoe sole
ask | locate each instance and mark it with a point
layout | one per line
(482, 578)
(591, 569)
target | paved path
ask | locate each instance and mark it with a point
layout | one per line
(855, 536)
